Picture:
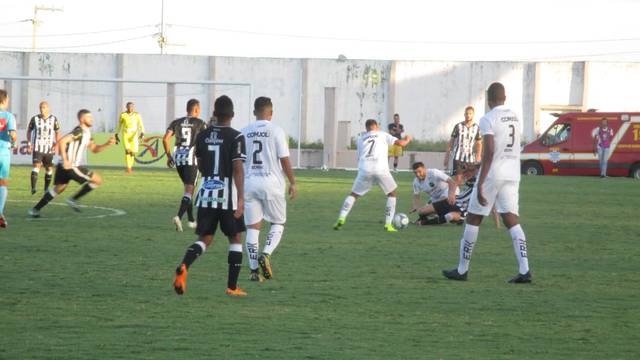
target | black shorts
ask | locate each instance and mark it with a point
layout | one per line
(78, 174)
(208, 220)
(442, 208)
(46, 159)
(188, 174)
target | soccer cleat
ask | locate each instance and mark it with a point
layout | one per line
(265, 265)
(3, 222)
(390, 228)
(34, 213)
(178, 223)
(521, 278)
(455, 275)
(235, 292)
(180, 283)
(255, 276)
(33, 191)
(74, 205)
(193, 224)
(339, 223)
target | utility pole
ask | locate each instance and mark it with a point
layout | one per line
(35, 22)
(162, 36)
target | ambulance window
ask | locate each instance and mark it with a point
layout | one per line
(557, 134)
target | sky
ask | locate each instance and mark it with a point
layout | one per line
(493, 30)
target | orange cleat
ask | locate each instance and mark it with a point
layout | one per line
(235, 292)
(180, 284)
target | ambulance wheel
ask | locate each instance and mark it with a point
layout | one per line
(533, 168)
(635, 171)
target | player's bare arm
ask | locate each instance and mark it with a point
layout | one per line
(487, 159)
(238, 178)
(478, 150)
(29, 130)
(416, 203)
(448, 153)
(167, 148)
(56, 148)
(404, 142)
(451, 198)
(63, 145)
(95, 148)
(288, 170)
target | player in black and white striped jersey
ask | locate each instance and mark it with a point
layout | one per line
(185, 130)
(43, 134)
(465, 144)
(220, 150)
(73, 153)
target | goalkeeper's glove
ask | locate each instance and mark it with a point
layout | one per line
(117, 138)
(141, 136)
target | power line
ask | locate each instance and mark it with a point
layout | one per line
(83, 45)
(9, 23)
(424, 42)
(82, 33)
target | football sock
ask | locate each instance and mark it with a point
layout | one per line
(129, 159)
(185, 204)
(48, 196)
(252, 244)
(235, 264)
(193, 252)
(3, 198)
(47, 179)
(273, 238)
(467, 242)
(34, 177)
(389, 210)
(84, 190)
(346, 207)
(435, 220)
(189, 207)
(520, 248)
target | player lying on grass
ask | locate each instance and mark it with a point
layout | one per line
(220, 150)
(373, 168)
(441, 189)
(73, 153)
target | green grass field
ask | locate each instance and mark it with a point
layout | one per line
(80, 286)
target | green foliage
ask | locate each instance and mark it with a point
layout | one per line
(100, 288)
(317, 145)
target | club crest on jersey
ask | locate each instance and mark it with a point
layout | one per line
(212, 184)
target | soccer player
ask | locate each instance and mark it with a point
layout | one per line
(466, 143)
(373, 167)
(264, 195)
(186, 130)
(442, 191)
(131, 128)
(497, 183)
(43, 133)
(220, 150)
(8, 138)
(396, 129)
(73, 153)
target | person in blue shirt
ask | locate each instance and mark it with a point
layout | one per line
(7, 141)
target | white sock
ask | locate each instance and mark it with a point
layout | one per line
(252, 244)
(448, 217)
(35, 170)
(346, 207)
(520, 248)
(273, 238)
(235, 248)
(202, 245)
(389, 210)
(467, 242)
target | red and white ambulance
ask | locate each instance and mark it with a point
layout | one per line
(567, 146)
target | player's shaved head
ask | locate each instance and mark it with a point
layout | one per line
(370, 124)
(44, 108)
(496, 94)
(223, 108)
(262, 107)
(82, 113)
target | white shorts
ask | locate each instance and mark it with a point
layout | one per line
(262, 204)
(502, 193)
(363, 183)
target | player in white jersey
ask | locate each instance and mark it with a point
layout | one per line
(264, 185)
(73, 153)
(43, 134)
(373, 168)
(498, 184)
(442, 191)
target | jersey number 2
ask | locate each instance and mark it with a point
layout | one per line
(257, 151)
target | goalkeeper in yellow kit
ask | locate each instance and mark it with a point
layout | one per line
(131, 129)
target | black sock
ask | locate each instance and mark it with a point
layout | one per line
(185, 204)
(192, 254)
(436, 220)
(34, 179)
(395, 165)
(190, 211)
(47, 181)
(235, 264)
(44, 201)
(84, 190)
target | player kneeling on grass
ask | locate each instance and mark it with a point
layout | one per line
(73, 151)
(440, 187)
(373, 167)
(220, 151)
(265, 185)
